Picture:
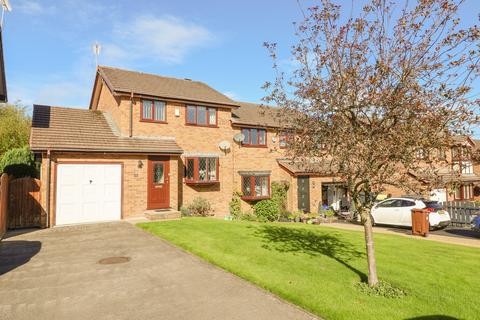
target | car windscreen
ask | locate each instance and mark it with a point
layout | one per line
(433, 204)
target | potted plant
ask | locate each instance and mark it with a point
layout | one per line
(327, 214)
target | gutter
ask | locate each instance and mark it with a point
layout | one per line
(49, 170)
(130, 128)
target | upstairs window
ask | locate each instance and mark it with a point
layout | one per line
(284, 138)
(201, 116)
(461, 153)
(154, 111)
(200, 170)
(254, 137)
(462, 167)
(255, 187)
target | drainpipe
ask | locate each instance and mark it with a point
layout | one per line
(130, 131)
(47, 205)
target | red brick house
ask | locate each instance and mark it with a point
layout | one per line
(151, 144)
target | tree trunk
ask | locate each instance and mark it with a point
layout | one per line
(372, 262)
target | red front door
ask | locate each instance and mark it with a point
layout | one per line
(158, 183)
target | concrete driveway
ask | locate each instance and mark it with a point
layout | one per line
(56, 274)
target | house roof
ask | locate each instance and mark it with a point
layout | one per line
(68, 129)
(125, 81)
(257, 115)
(306, 166)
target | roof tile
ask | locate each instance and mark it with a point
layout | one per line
(68, 129)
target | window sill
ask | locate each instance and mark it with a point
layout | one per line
(200, 125)
(153, 121)
(201, 183)
(253, 198)
(254, 145)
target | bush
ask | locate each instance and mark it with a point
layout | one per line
(185, 212)
(235, 205)
(279, 195)
(266, 210)
(270, 209)
(18, 162)
(247, 217)
(199, 207)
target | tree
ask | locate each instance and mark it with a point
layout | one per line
(370, 91)
(14, 127)
(18, 162)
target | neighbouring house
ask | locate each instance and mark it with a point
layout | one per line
(149, 144)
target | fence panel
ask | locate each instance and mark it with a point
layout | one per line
(3, 204)
(462, 212)
(24, 203)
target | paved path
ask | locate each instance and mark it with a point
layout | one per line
(439, 236)
(55, 274)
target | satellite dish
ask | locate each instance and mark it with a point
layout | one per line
(224, 145)
(239, 137)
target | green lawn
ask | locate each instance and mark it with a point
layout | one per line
(317, 267)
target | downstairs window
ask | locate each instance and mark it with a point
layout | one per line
(201, 170)
(255, 187)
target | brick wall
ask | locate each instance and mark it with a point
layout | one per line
(193, 139)
(134, 200)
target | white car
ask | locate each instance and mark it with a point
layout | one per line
(398, 212)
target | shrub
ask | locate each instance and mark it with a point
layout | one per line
(235, 205)
(18, 162)
(270, 209)
(185, 212)
(267, 210)
(199, 207)
(247, 217)
(328, 213)
(279, 194)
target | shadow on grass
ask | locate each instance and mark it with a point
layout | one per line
(283, 239)
(433, 317)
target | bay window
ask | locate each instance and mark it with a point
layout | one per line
(153, 111)
(201, 116)
(255, 187)
(200, 170)
(254, 137)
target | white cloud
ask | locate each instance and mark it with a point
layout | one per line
(31, 7)
(166, 39)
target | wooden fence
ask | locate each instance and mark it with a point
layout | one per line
(3, 204)
(24, 210)
(462, 212)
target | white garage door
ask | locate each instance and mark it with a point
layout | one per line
(88, 193)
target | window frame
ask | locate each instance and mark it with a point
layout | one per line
(461, 189)
(460, 166)
(207, 115)
(286, 137)
(152, 119)
(196, 171)
(254, 145)
(252, 188)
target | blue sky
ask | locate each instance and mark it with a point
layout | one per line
(49, 57)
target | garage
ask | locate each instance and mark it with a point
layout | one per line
(88, 192)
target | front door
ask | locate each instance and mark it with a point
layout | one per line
(303, 186)
(158, 189)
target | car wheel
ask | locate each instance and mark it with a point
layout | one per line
(373, 220)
